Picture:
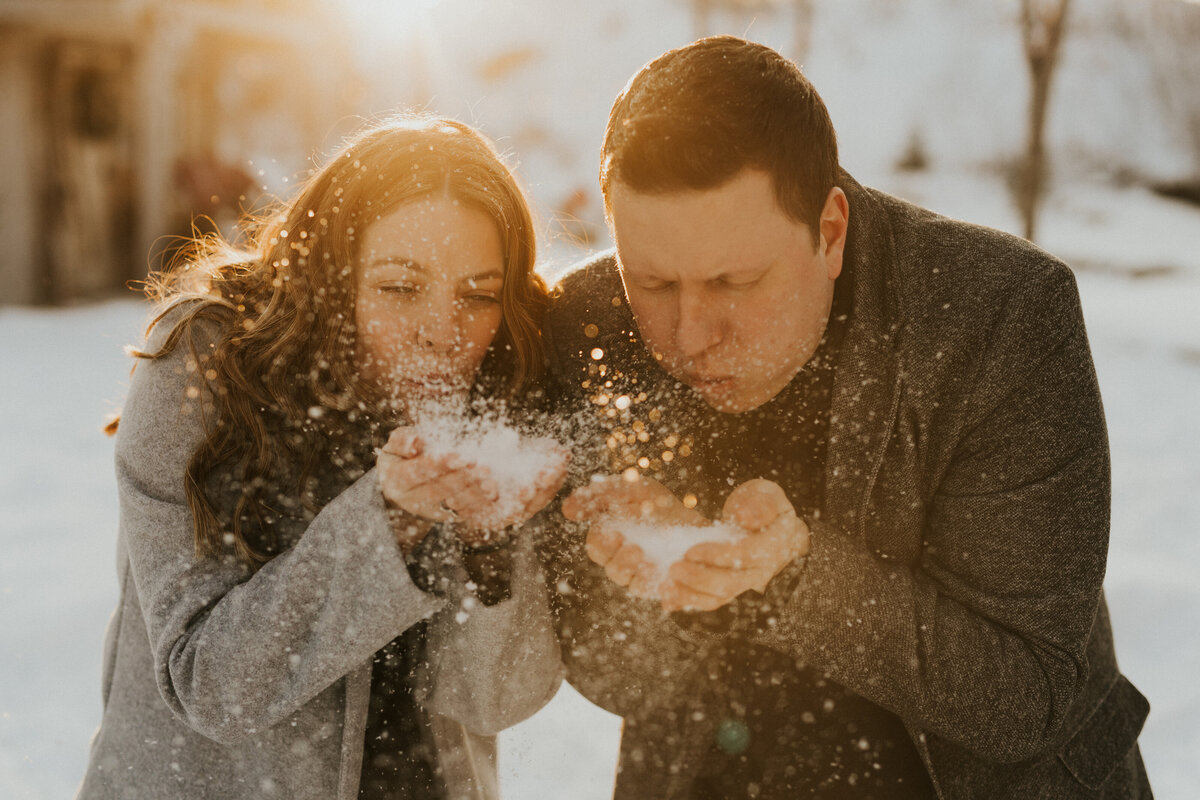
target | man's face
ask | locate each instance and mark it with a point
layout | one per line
(730, 293)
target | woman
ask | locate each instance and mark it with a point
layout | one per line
(296, 621)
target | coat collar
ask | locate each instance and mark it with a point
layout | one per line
(866, 391)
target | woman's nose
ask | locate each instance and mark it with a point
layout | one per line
(438, 328)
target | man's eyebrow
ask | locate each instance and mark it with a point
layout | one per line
(743, 272)
(642, 269)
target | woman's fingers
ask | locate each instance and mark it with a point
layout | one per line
(465, 491)
(523, 502)
(553, 477)
(404, 442)
(400, 478)
(434, 488)
(547, 486)
(403, 475)
(448, 488)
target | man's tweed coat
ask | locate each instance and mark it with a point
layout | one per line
(955, 575)
(219, 684)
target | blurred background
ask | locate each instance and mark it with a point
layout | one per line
(125, 122)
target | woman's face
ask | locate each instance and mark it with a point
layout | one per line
(428, 298)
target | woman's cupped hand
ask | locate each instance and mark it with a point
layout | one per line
(445, 487)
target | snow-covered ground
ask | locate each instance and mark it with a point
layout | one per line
(1139, 274)
(539, 77)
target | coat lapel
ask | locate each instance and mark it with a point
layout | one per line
(866, 389)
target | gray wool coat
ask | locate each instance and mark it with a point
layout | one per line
(221, 684)
(955, 574)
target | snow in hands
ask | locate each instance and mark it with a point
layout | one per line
(664, 545)
(517, 463)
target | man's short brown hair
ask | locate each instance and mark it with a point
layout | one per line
(698, 115)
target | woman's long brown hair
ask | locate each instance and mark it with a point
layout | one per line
(287, 400)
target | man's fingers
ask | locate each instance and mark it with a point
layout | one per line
(624, 565)
(792, 533)
(599, 498)
(645, 581)
(727, 555)
(715, 581)
(675, 597)
(755, 550)
(602, 544)
(616, 496)
(724, 584)
(585, 502)
(713, 573)
(756, 504)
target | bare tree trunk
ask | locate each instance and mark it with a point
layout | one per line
(1043, 23)
(701, 10)
(802, 29)
(1176, 62)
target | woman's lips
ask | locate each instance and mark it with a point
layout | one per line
(434, 385)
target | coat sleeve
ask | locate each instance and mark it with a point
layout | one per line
(983, 639)
(493, 666)
(236, 651)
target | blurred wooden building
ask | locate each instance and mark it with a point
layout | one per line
(121, 119)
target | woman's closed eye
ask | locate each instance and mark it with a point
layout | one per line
(402, 290)
(480, 297)
(481, 294)
(481, 290)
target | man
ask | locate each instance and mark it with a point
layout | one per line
(901, 414)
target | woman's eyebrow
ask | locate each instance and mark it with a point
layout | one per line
(490, 275)
(398, 261)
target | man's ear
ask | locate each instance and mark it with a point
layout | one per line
(835, 222)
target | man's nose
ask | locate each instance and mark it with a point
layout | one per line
(698, 327)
